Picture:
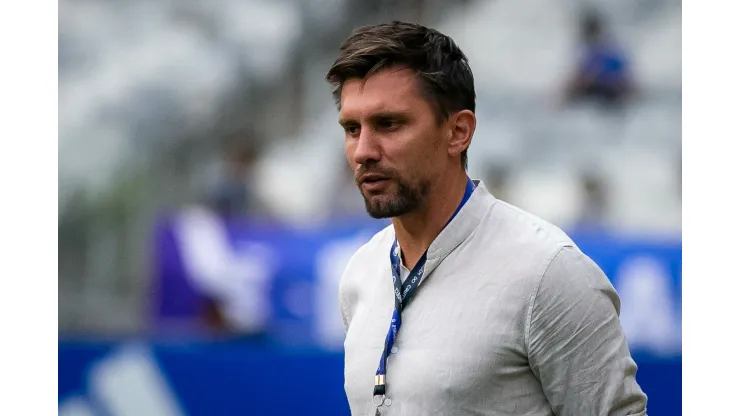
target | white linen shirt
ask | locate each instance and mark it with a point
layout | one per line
(510, 318)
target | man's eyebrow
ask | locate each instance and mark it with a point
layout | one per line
(400, 115)
(346, 121)
(389, 114)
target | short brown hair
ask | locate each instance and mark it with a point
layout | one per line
(442, 68)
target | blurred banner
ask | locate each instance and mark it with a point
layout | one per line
(283, 280)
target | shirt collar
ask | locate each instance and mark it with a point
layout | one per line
(461, 227)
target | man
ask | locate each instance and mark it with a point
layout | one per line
(465, 304)
(603, 71)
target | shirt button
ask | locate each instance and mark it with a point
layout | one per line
(387, 402)
(394, 349)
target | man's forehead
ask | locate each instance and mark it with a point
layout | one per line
(389, 90)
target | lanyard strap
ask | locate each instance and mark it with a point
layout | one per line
(403, 293)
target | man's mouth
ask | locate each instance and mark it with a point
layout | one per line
(373, 183)
(372, 178)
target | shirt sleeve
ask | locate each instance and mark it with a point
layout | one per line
(575, 343)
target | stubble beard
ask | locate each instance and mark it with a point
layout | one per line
(407, 198)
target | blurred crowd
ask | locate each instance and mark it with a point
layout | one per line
(222, 112)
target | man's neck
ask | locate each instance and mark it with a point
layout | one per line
(417, 230)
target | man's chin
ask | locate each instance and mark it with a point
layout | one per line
(379, 215)
(381, 206)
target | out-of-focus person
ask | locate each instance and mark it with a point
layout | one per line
(231, 197)
(227, 309)
(208, 281)
(602, 73)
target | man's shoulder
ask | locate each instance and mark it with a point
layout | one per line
(529, 228)
(526, 241)
(536, 248)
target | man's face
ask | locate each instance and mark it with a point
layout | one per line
(393, 141)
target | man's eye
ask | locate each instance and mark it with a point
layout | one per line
(387, 124)
(352, 130)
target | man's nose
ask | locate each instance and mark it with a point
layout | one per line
(368, 148)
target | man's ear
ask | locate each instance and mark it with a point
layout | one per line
(462, 126)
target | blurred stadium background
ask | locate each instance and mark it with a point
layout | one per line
(206, 211)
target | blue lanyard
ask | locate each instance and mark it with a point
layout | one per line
(403, 293)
